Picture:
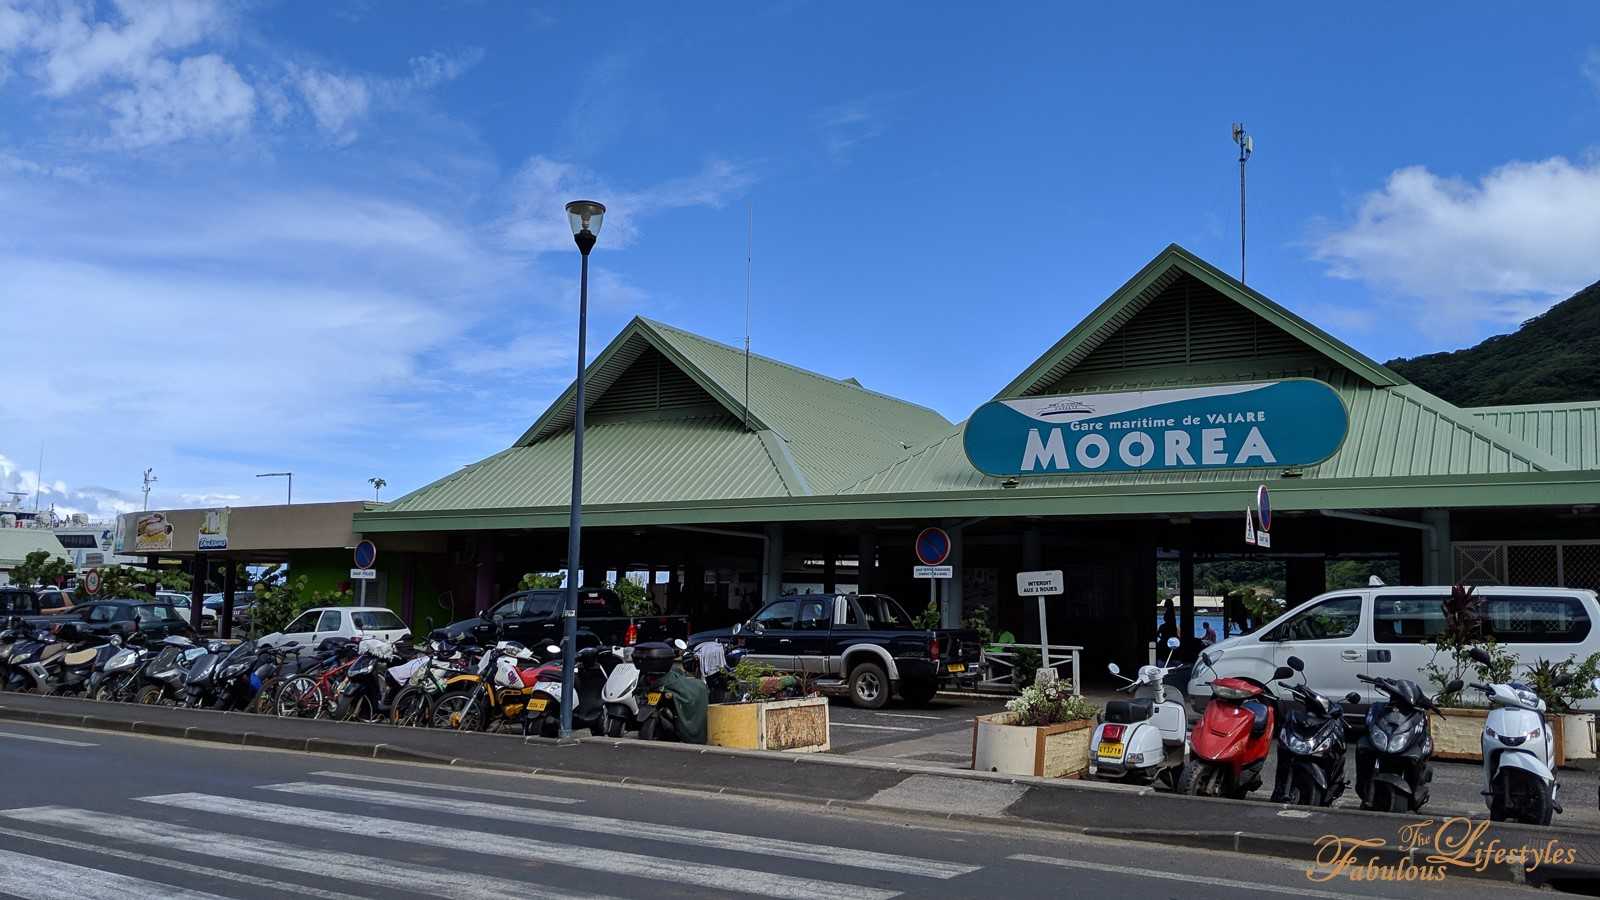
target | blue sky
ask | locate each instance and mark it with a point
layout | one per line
(328, 237)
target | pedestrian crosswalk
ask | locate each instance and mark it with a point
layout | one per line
(299, 838)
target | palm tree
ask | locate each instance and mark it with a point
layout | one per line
(378, 484)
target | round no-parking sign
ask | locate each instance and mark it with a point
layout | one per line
(933, 547)
(91, 581)
(366, 554)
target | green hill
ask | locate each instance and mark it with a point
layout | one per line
(1553, 357)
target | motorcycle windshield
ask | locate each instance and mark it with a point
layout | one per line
(201, 671)
(245, 651)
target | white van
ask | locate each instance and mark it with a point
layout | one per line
(1380, 631)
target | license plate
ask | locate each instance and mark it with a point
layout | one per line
(537, 705)
(1110, 751)
(957, 667)
(653, 698)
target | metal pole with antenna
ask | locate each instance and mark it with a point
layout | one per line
(149, 479)
(749, 240)
(1247, 145)
(38, 481)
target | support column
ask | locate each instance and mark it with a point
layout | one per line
(952, 588)
(866, 577)
(1032, 561)
(230, 584)
(1438, 556)
(830, 565)
(483, 584)
(772, 566)
(1304, 578)
(197, 592)
(1186, 587)
(408, 592)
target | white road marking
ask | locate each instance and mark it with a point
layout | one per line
(459, 789)
(1295, 891)
(45, 740)
(510, 846)
(910, 716)
(39, 878)
(211, 872)
(693, 837)
(386, 873)
(872, 727)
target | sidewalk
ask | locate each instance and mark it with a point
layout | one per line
(832, 781)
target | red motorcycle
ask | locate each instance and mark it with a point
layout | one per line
(1229, 748)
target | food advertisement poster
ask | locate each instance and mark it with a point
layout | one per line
(152, 533)
(214, 530)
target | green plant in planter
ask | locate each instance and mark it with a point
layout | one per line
(1027, 662)
(1050, 704)
(930, 617)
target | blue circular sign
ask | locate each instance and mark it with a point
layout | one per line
(366, 554)
(1264, 508)
(933, 547)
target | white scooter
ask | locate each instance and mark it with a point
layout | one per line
(1142, 739)
(1518, 753)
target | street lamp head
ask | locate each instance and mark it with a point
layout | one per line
(585, 217)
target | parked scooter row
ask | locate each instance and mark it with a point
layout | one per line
(1148, 740)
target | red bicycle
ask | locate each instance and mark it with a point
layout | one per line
(311, 695)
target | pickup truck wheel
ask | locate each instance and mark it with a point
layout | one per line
(869, 686)
(918, 692)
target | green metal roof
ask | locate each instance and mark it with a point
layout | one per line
(666, 421)
(667, 440)
(1568, 431)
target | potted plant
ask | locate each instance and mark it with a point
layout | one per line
(769, 712)
(1045, 731)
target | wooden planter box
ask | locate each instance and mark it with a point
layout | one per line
(1459, 735)
(798, 725)
(1050, 751)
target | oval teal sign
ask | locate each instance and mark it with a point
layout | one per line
(1295, 422)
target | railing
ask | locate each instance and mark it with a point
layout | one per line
(1001, 660)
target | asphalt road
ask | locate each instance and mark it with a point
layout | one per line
(92, 814)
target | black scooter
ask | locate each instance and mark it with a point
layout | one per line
(1312, 744)
(161, 682)
(1392, 770)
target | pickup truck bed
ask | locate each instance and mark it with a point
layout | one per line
(861, 646)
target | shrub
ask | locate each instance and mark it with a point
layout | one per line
(1050, 704)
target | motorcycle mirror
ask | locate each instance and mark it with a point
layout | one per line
(738, 627)
(1596, 685)
(551, 649)
(1113, 668)
(680, 643)
(1297, 664)
(1282, 673)
(1454, 686)
(1352, 698)
(1172, 643)
(1480, 655)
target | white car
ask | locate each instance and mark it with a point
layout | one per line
(1383, 632)
(314, 626)
(180, 603)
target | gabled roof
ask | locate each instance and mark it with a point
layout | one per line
(17, 543)
(1129, 300)
(807, 433)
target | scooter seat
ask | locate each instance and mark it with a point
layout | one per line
(81, 657)
(1126, 712)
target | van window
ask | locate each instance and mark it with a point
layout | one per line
(1333, 618)
(1507, 619)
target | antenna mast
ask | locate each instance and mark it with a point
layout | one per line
(749, 240)
(38, 481)
(149, 479)
(1247, 145)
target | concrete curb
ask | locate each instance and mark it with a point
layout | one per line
(1056, 795)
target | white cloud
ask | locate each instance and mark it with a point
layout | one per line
(1499, 250)
(203, 95)
(98, 503)
(847, 125)
(79, 52)
(438, 67)
(542, 187)
(337, 102)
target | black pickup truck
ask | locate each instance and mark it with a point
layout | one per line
(533, 618)
(864, 646)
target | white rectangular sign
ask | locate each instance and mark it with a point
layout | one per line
(1041, 584)
(934, 571)
(1249, 527)
(1263, 540)
(363, 574)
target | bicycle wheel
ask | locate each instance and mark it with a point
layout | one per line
(300, 698)
(412, 708)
